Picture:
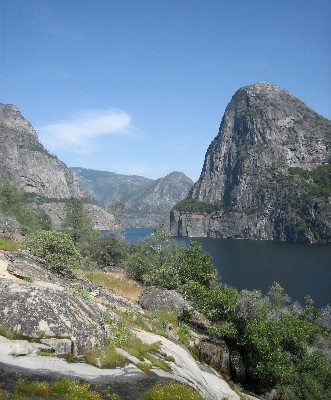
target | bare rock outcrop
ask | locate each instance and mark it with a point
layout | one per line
(36, 311)
(261, 172)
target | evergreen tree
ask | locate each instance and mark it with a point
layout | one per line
(76, 221)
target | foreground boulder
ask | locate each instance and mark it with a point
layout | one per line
(156, 300)
(34, 311)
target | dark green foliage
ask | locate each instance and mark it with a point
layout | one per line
(275, 352)
(318, 181)
(196, 206)
(275, 337)
(217, 303)
(76, 222)
(103, 250)
(14, 202)
(310, 380)
(160, 261)
(154, 261)
(54, 248)
(195, 265)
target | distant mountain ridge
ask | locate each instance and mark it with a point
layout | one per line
(267, 173)
(147, 201)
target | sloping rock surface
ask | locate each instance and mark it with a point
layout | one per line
(36, 312)
(35, 304)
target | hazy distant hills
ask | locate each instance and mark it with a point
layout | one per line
(146, 201)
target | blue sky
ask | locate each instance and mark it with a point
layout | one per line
(140, 86)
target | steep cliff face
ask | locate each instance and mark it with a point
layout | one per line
(146, 201)
(262, 170)
(35, 170)
(28, 162)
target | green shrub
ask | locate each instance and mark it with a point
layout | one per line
(171, 391)
(153, 261)
(217, 303)
(160, 261)
(4, 331)
(70, 389)
(105, 358)
(184, 334)
(32, 388)
(195, 265)
(76, 221)
(104, 250)
(225, 330)
(54, 248)
(196, 206)
(14, 202)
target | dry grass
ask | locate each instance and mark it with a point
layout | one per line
(8, 245)
(116, 281)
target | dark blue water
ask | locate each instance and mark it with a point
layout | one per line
(136, 234)
(300, 268)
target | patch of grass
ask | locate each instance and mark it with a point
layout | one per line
(184, 334)
(82, 293)
(47, 353)
(8, 245)
(144, 351)
(32, 388)
(166, 317)
(144, 367)
(67, 389)
(134, 320)
(157, 322)
(105, 358)
(171, 391)
(118, 282)
(4, 331)
(74, 390)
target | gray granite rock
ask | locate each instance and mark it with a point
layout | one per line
(264, 132)
(38, 312)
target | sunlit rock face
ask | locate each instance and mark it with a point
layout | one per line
(265, 131)
(28, 162)
(29, 165)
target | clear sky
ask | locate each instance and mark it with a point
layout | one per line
(140, 86)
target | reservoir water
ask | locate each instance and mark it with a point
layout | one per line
(300, 268)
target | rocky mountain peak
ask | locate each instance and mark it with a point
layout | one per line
(29, 164)
(11, 117)
(265, 131)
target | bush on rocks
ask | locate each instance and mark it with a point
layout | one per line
(54, 248)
